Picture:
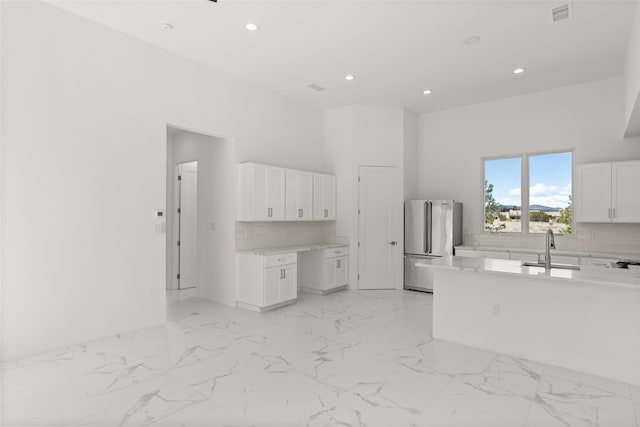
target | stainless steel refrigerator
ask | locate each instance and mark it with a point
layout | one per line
(431, 229)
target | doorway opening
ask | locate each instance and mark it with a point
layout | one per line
(200, 232)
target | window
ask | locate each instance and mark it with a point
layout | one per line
(543, 181)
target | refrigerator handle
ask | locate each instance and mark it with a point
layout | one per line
(426, 230)
(428, 241)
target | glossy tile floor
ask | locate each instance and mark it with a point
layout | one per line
(347, 359)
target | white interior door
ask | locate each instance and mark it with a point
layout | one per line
(379, 228)
(188, 226)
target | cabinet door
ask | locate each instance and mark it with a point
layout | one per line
(329, 197)
(259, 205)
(267, 194)
(330, 270)
(324, 197)
(625, 197)
(341, 270)
(275, 192)
(272, 278)
(593, 193)
(288, 286)
(299, 195)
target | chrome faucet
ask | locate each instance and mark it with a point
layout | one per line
(549, 244)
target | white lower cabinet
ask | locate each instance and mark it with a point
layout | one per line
(325, 270)
(267, 281)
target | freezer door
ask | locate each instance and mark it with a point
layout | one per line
(417, 278)
(440, 227)
(415, 232)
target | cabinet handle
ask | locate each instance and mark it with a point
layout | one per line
(284, 273)
(299, 213)
(269, 212)
(281, 271)
(326, 213)
(337, 263)
(613, 214)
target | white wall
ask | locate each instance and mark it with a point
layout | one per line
(365, 136)
(586, 118)
(216, 205)
(632, 79)
(84, 114)
(410, 146)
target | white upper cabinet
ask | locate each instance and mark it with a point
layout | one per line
(299, 195)
(262, 192)
(324, 197)
(593, 193)
(625, 196)
(607, 192)
(271, 193)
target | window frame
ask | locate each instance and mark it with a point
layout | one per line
(524, 189)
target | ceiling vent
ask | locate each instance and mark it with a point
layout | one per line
(316, 87)
(561, 13)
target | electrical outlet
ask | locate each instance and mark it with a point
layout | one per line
(496, 309)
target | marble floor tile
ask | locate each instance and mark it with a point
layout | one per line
(566, 397)
(53, 408)
(345, 359)
(25, 382)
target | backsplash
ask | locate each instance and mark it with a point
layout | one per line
(601, 238)
(252, 235)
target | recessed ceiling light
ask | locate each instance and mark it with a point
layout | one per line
(349, 77)
(166, 26)
(251, 26)
(472, 40)
(427, 91)
(518, 70)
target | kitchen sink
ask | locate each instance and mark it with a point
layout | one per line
(560, 266)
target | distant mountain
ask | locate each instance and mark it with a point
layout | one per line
(539, 208)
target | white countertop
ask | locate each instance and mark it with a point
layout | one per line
(596, 275)
(555, 251)
(294, 248)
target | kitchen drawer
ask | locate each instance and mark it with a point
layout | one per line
(281, 259)
(336, 252)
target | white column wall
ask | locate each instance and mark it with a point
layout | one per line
(84, 115)
(365, 136)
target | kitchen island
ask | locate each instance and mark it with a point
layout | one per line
(587, 320)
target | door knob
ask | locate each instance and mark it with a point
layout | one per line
(393, 243)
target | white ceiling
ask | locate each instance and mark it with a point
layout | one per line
(396, 49)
